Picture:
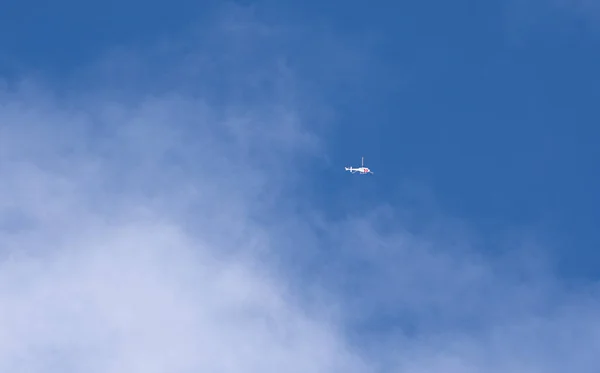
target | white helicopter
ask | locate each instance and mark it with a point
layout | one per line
(362, 169)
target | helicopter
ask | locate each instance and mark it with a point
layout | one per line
(361, 170)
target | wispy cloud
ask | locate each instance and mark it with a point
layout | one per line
(149, 229)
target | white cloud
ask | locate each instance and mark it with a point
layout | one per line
(128, 240)
(149, 232)
(131, 249)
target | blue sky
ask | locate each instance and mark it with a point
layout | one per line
(173, 188)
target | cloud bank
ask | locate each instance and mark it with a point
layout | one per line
(149, 224)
